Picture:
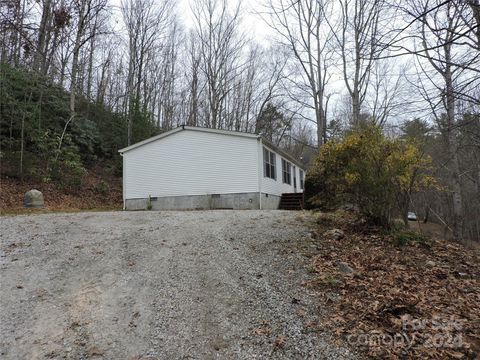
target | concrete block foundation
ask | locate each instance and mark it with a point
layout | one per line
(237, 201)
(270, 202)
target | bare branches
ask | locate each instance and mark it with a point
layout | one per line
(300, 27)
(145, 22)
(221, 46)
(446, 64)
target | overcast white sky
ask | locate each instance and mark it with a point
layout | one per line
(254, 25)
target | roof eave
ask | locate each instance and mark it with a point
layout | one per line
(185, 127)
(149, 140)
(215, 131)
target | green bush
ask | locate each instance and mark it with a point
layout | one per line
(149, 203)
(66, 167)
(102, 188)
(402, 238)
(68, 174)
(35, 107)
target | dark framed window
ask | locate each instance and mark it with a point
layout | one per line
(294, 170)
(286, 172)
(269, 168)
(302, 179)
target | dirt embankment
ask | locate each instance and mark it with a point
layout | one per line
(400, 295)
(96, 192)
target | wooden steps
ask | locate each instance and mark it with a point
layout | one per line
(291, 201)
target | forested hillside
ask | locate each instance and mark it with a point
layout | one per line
(43, 147)
(40, 140)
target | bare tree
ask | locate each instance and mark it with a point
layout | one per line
(85, 12)
(475, 5)
(444, 65)
(302, 28)
(193, 78)
(217, 30)
(356, 37)
(145, 22)
(43, 34)
(161, 91)
(267, 87)
(13, 30)
(387, 94)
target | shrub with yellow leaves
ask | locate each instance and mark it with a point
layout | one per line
(370, 170)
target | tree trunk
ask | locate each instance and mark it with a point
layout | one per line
(427, 214)
(129, 109)
(76, 53)
(100, 100)
(90, 67)
(22, 134)
(42, 35)
(475, 6)
(452, 149)
(73, 81)
(356, 84)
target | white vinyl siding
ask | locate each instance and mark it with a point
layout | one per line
(192, 162)
(277, 187)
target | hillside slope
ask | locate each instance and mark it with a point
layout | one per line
(74, 162)
(391, 296)
(97, 191)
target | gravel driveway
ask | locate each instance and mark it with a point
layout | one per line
(157, 285)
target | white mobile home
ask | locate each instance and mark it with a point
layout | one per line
(199, 168)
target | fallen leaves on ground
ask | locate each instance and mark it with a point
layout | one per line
(88, 196)
(264, 329)
(280, 341)
(419, 300)
(95, 351)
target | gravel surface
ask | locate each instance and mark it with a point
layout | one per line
(157, 285)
